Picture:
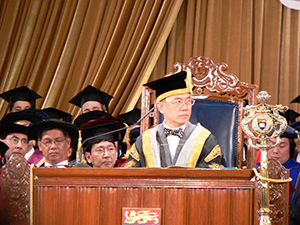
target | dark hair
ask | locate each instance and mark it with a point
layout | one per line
(11, 105)
(95, 141)
(3, 136)
(103, 107)
(292, 147)
(39, 135)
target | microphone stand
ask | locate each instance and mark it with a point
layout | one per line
(79, 156)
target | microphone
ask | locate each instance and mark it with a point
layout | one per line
(78, 163)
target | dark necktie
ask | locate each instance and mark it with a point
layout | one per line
(176, 132)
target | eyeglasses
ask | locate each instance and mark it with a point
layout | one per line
(49, 143)
(179, 103)
(15, 140)
(101, 151)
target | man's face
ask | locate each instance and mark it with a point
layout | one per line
(20, 105)
(91, 106)
(26, 123)
(281, 152)
(17, 143)
(102, 155)
(55, 146)
(175, 116)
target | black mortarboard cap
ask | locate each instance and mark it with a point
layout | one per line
(290, 115)
(86, 117)
(91, 94)
(27, 114)
(290, 133)
(21, 94)
(296, 125)
(108, 120)
(296, 100)
(39, 127)
(103, 129)
(12, 128)
(132, 116)
(57, 114)
(178, 83)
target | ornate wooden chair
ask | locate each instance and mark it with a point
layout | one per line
(219, 99)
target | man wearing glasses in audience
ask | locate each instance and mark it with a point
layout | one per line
(102, 140)
(54, 139)
(175, 142)
(15, 137)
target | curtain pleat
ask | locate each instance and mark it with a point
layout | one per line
(57, 48)
(147, 57)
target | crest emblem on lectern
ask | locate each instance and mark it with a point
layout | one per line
(137, 216)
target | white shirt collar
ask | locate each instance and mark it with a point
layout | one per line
(29, 153)
(59, 165)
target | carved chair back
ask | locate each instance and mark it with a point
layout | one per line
(219, 99)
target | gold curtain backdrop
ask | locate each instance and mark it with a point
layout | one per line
(59, 47)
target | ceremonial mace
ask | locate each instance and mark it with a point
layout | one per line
(262, 122)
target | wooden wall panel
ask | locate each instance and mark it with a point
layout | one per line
(98, 205)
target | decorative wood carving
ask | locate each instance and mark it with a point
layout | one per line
(213, 77)
(15, 191)
(278, 193)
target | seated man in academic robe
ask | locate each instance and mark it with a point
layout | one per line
(284, 151)
(25, 118)
(20, 98)
(175, 142)
(102, 139)
(15, 137)
(54, 138)
(91, 99)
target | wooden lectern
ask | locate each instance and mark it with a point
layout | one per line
(185, 196)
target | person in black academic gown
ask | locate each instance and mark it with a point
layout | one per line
(102, 139)
(91, 99)
(175, 142)
(25, 118)
(15, 137)
(283, 153)
(54, 138)
(20, 98)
